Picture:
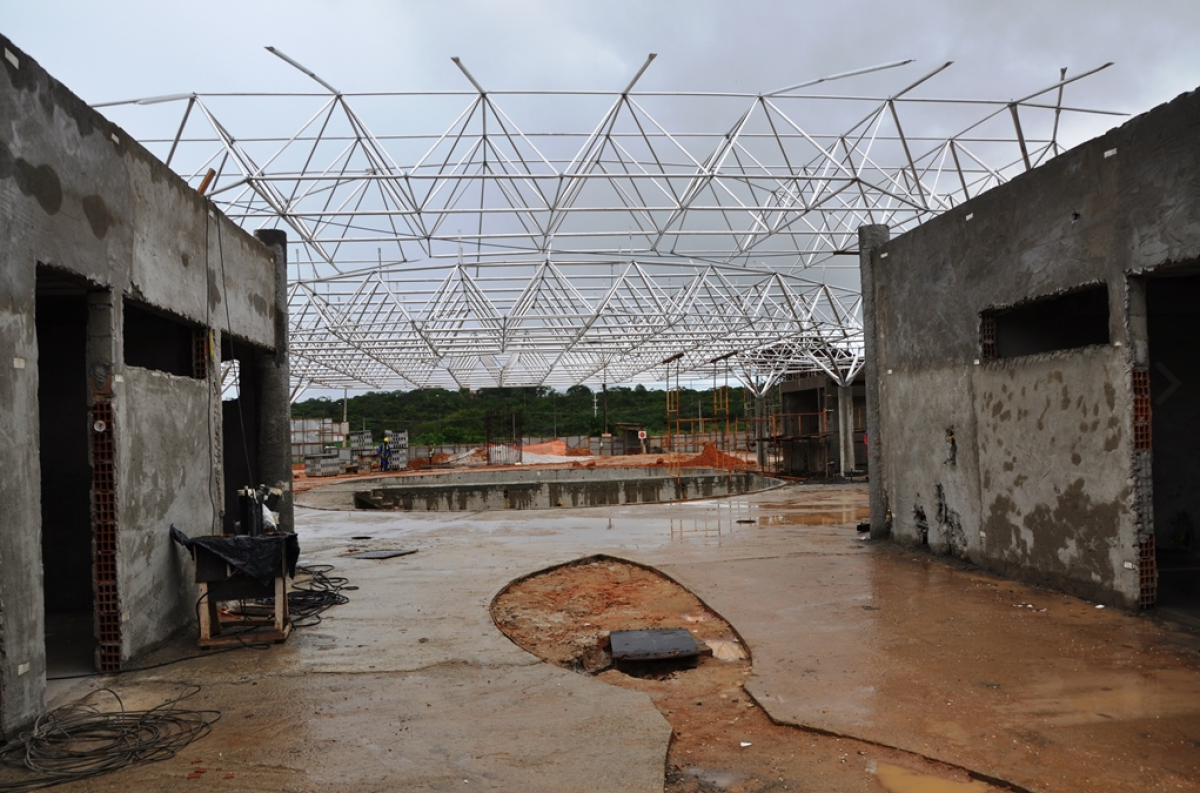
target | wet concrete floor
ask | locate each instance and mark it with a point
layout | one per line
(411, 686)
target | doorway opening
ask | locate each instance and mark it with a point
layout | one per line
(61, 320)
(1173, 323)
(240, 400)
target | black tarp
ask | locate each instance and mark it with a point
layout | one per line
(261, 558)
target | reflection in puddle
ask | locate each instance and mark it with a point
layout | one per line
(718, 523)
(721, 521)
(821, 518)
(902, 780)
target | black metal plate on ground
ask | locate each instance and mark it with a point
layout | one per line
(382, 554)
(653, 645)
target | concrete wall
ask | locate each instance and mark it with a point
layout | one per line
(83, 202)
(1028, 465)
(550, 489)
(168, 477)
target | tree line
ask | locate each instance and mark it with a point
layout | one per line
(437, 416)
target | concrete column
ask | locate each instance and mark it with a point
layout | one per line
(275, 432)
(870, 238)
(845, 398)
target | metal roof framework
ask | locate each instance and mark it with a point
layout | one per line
(505, 238)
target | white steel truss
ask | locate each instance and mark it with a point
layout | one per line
(554, 238)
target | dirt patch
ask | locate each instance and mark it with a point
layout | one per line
(712, 457)
(722, 740)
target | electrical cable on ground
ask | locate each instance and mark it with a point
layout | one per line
(313, 592)
(80, 740)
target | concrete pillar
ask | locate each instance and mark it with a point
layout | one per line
(870, 238)
(845, 398)
(275, 432)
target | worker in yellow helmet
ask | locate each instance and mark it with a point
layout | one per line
(385, 454)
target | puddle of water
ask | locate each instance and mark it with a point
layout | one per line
(823, 518)
(902, 780)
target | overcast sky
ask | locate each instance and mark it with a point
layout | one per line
(1003, 49)
(135, 48)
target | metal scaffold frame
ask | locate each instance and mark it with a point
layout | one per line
(504, 238)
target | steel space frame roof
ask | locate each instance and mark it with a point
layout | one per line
(499, 238)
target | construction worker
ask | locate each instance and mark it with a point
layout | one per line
(385, 454)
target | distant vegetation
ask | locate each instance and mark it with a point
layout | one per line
(440, 416)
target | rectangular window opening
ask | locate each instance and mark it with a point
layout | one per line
(154, 340)
(1063, 322)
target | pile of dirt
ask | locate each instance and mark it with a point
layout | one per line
(712, 457)
(577, 453)
(556, 448)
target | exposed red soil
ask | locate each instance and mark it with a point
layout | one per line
(722, 740)
(712, 457)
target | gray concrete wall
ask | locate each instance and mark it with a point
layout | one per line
(167, 478)
(80, 197)
(1041, 481)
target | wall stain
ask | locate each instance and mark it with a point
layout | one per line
(39, 181)
(98, 216)
(1001, 532)
(260, 305)
(1075, 518)
(214, 290)
(953, 536)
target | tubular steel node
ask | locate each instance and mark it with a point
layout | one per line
(482, 238)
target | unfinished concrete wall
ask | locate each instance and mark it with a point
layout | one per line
(1029, 464)
(168, 478)
(89, 217)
